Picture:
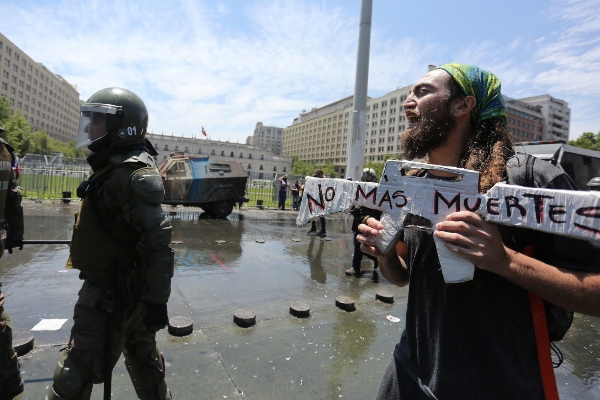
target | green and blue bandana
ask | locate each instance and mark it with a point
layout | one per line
(484, 86)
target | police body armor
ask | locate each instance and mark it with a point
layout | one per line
(99, 236)
(6, 173)
(11, 219)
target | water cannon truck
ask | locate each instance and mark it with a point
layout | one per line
(216, 187)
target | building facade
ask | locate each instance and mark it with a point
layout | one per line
(267, 137)
(525, 121)
(322, 133)
(46, 100)
(256, 160)
(556, 113)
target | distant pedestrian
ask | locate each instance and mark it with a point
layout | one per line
(359, 213)
(283, 185)
(295, 195)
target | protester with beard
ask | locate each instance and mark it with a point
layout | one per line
(475, 340)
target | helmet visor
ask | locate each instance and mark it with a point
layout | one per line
(93, 123)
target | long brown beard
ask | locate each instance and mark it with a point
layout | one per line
(428, 133)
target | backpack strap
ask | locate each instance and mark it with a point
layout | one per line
(523, 175)
(529, 170)
(542, 340)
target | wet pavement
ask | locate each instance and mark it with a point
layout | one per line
(265, 264)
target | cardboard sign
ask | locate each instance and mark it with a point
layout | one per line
(421, 202)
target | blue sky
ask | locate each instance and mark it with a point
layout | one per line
(225, 65)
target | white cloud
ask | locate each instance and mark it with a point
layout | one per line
(227, 65)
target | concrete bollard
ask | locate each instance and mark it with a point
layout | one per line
(244, 318)
(300, 309)
(345, 303)
(23, 343)
(384, 296)
(181, 326)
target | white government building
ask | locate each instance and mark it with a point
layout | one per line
(256, 160)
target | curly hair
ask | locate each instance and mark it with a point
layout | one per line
(486, 151)
(487, 148)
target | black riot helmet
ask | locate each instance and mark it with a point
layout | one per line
(368, 175)
(112, 116)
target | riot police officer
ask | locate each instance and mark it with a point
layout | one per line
(11, 235)
(120, 241)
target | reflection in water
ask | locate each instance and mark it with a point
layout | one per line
(38, 228)
(350, 344)
(580, 350)
(317, 272)
(199, 250)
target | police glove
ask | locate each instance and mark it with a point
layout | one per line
(13, 243)
(155, 316)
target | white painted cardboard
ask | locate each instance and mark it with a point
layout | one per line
(562, 212)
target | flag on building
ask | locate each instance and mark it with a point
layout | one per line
(203, 131)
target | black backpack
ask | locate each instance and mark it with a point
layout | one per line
(521, 172)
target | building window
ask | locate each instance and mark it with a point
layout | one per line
(249, 166)
(284, 169)
(262, 157)
(212, 152)
(223, 153)
(260, 168)
(166, 147)
(241, 155)
(176, 148)
(231, 154)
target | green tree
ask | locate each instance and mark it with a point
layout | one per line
(18, 133)
(41, 143)
(587, 141)
(378, 165)
(5, 112)
(328, 168)
(302, 168)
(72, 151)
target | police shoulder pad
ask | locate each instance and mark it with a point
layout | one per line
(133, 157)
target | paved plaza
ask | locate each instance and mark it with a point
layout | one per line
(265, 264)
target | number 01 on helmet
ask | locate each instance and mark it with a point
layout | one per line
(112, 117)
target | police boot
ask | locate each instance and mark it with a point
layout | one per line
(12, 388)
(146, 367)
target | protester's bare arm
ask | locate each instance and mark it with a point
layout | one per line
(392, 265)
(469, 236)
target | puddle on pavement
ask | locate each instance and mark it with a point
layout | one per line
(331, 354)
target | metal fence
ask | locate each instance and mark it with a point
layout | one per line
(262, 189)
(51, 177)
(55, 177)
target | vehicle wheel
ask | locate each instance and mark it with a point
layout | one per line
(221, 209)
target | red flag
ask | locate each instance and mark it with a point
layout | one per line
(203, 131)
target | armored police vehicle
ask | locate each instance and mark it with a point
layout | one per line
(196, 181)
(580, 164)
